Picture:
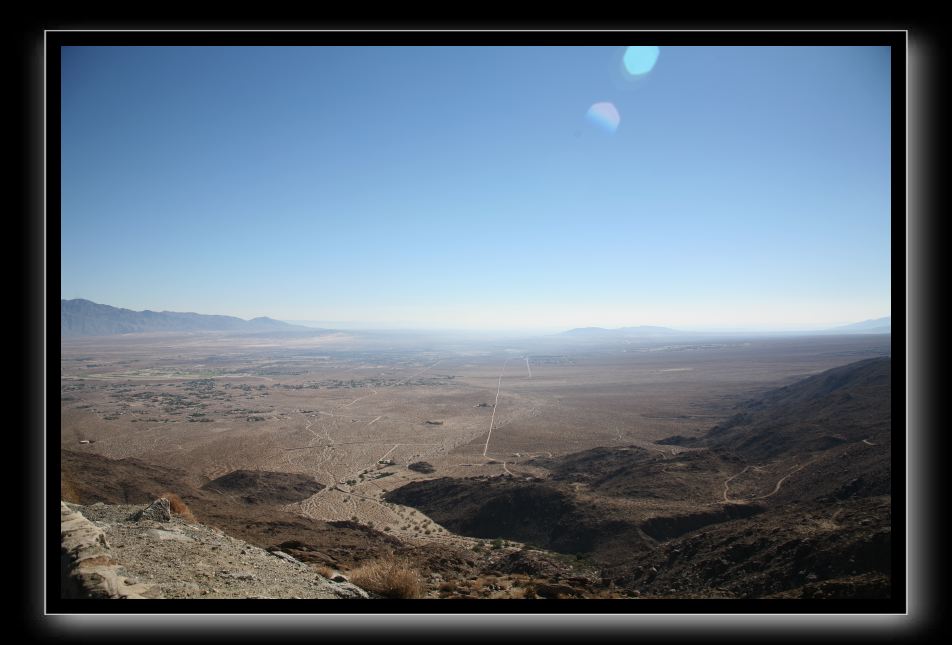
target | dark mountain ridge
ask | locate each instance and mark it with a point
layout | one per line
(86, 318)
(842, 405)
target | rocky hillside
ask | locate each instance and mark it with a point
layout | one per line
(251, 512)
(798, 550)
(134, 551)
(250, 508)
(839, 406)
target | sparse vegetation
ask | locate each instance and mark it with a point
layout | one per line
(391, 578)
(178, 507)
(421, 467)
(325, 571)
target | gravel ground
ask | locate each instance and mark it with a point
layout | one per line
(184, 560)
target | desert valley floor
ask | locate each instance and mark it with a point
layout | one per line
(260, 433)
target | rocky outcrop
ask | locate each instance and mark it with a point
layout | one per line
(87, 568)
(122, 551)
(158, 511)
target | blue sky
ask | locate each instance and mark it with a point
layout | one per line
(466, 187)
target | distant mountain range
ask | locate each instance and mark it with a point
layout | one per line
(85, 318)
(876, 326)
(642, 331)
(81, 317)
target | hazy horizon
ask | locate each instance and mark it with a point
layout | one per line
(410, 326)
(496, 188)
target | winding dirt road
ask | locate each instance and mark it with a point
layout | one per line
(776, 488)
(729, 479)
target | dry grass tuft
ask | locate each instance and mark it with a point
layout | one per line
(391, 578)
(325, 571)
(180, 508)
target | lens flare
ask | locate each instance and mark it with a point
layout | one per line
(605, 116)
(640, 60)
